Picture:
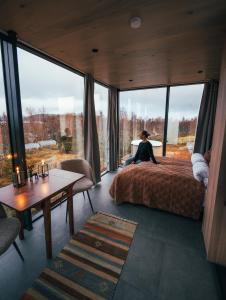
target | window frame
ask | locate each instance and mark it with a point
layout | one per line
(59, 118)
(167, 105)
(15, 118)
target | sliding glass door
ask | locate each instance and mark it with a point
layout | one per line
(52, 107)
(5, 154)
(141, 110)
(101, 108)
(184, 106)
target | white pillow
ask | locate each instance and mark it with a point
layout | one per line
(200, 171)
(205, 181)
(197, 157)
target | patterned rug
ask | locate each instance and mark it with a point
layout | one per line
(89, 266)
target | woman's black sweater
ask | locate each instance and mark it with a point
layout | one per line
(145, 152)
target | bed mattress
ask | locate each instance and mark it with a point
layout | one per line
(168, 186)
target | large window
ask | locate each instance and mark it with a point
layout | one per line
(182, 119)
(139, 110)
(5, 156)
(52, 107)
(101, 108)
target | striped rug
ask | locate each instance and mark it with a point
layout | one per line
(89, 266)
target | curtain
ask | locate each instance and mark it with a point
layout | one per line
(113, 128)
(206, 117)
(91, 144)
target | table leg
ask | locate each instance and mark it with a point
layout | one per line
(47, 224)
(27, 219)
(70, 209)
(20, 217)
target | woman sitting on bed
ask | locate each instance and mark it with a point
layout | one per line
(144, 151)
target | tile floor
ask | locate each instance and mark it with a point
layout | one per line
(166, 260)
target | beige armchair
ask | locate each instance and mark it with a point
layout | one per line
(83, 185)
(9, 230)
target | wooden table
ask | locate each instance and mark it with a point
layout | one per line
(41, 192)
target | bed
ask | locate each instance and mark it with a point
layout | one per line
(168, 186)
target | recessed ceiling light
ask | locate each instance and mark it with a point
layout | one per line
(135, 22)
(95, 50)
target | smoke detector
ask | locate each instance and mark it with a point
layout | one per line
(135, 22)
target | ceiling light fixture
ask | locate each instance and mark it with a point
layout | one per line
(135, 22)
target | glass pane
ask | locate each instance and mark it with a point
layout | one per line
(5, 155)
(101, 107)
(52, 107)
(182, 120)
(141, 110)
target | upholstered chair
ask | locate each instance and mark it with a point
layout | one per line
(9, 230)
(83, 185)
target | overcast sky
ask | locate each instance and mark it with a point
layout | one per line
(150, 103)
(44, 84)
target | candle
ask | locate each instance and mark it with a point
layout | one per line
(18, 175)
(9, 156)
(43, 167)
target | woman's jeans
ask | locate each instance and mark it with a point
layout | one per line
(130, 160)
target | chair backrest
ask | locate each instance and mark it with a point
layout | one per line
(78, 165)
(2, 212)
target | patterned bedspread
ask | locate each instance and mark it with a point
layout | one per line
(169, 186)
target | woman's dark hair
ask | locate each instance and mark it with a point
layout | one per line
(145, 133)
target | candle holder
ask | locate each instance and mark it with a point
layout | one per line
(31, 173)
(19, 178)
(43, 170)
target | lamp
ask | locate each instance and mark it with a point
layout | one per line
(135, 22)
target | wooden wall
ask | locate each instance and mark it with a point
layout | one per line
(214, 226)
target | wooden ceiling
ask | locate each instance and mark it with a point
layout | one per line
(179, 41)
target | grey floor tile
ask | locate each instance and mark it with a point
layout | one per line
(144, 265)
(185, 275)
(126, 291)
